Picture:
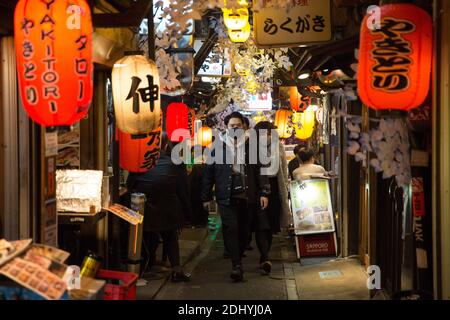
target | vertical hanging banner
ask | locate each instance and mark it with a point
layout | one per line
(308, 21)
(53, 40)
(49, 217)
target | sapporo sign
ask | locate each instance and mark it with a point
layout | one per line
(309, 21)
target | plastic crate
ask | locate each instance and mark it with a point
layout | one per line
(124, 287)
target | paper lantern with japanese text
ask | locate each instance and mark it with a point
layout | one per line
(235, 19)
(304, 123)
(297, 101)
(395, 59)
(282, 122)
(135, 86)
(139, 153)
(303, 133)
(178, 116)
(205, 136)
(240, 35)
(53, 41)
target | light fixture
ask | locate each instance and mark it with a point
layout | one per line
(184, 58)
(314, 106)
(304, 75)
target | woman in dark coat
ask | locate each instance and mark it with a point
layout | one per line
(166, 190)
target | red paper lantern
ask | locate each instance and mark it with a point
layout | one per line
(297, 101)
(395, 59)
(139, 153)
(178, 116)
(53, 41)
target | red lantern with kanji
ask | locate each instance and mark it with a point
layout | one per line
(53, 41)
(139, 153)
(395, 59)
(178, 116)
(297, 101)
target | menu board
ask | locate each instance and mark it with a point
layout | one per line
(311, 206)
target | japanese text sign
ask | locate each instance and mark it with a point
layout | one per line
(309, 21)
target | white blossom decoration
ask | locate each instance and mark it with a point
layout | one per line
(390, 144)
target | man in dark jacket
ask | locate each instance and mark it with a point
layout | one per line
(238, 183)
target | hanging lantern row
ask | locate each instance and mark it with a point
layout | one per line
(136, 94)
(53, 42)
(395, 60)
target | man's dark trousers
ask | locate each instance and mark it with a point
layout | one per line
(236, 228)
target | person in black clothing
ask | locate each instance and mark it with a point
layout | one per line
(237, 185)
(268, 220)
(200, 214)
(166, 189)
(294, 163)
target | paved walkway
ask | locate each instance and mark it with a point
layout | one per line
(202, 256)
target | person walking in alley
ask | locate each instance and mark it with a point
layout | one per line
(270, 220)
(237, 185)
(166, 189)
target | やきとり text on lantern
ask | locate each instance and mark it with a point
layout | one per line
(136, 94)
(395, 60)
(53, 41)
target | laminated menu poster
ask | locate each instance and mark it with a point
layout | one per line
(10, 250)
(35, 277)
(125, 213)
(311, 206)
(51, 253)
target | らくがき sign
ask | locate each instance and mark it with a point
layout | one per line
(53, 41)
(309, 21)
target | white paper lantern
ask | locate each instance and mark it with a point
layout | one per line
(136, 94)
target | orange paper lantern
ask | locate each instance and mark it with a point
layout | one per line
(205, 136)
(53, 41)
(297, 101)
(282, 122)
(395, 60)
(139, 153)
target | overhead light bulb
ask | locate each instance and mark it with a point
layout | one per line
(303, 76)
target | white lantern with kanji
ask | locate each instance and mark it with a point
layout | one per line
(136, 94)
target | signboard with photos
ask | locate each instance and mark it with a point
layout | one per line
(311, 206)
